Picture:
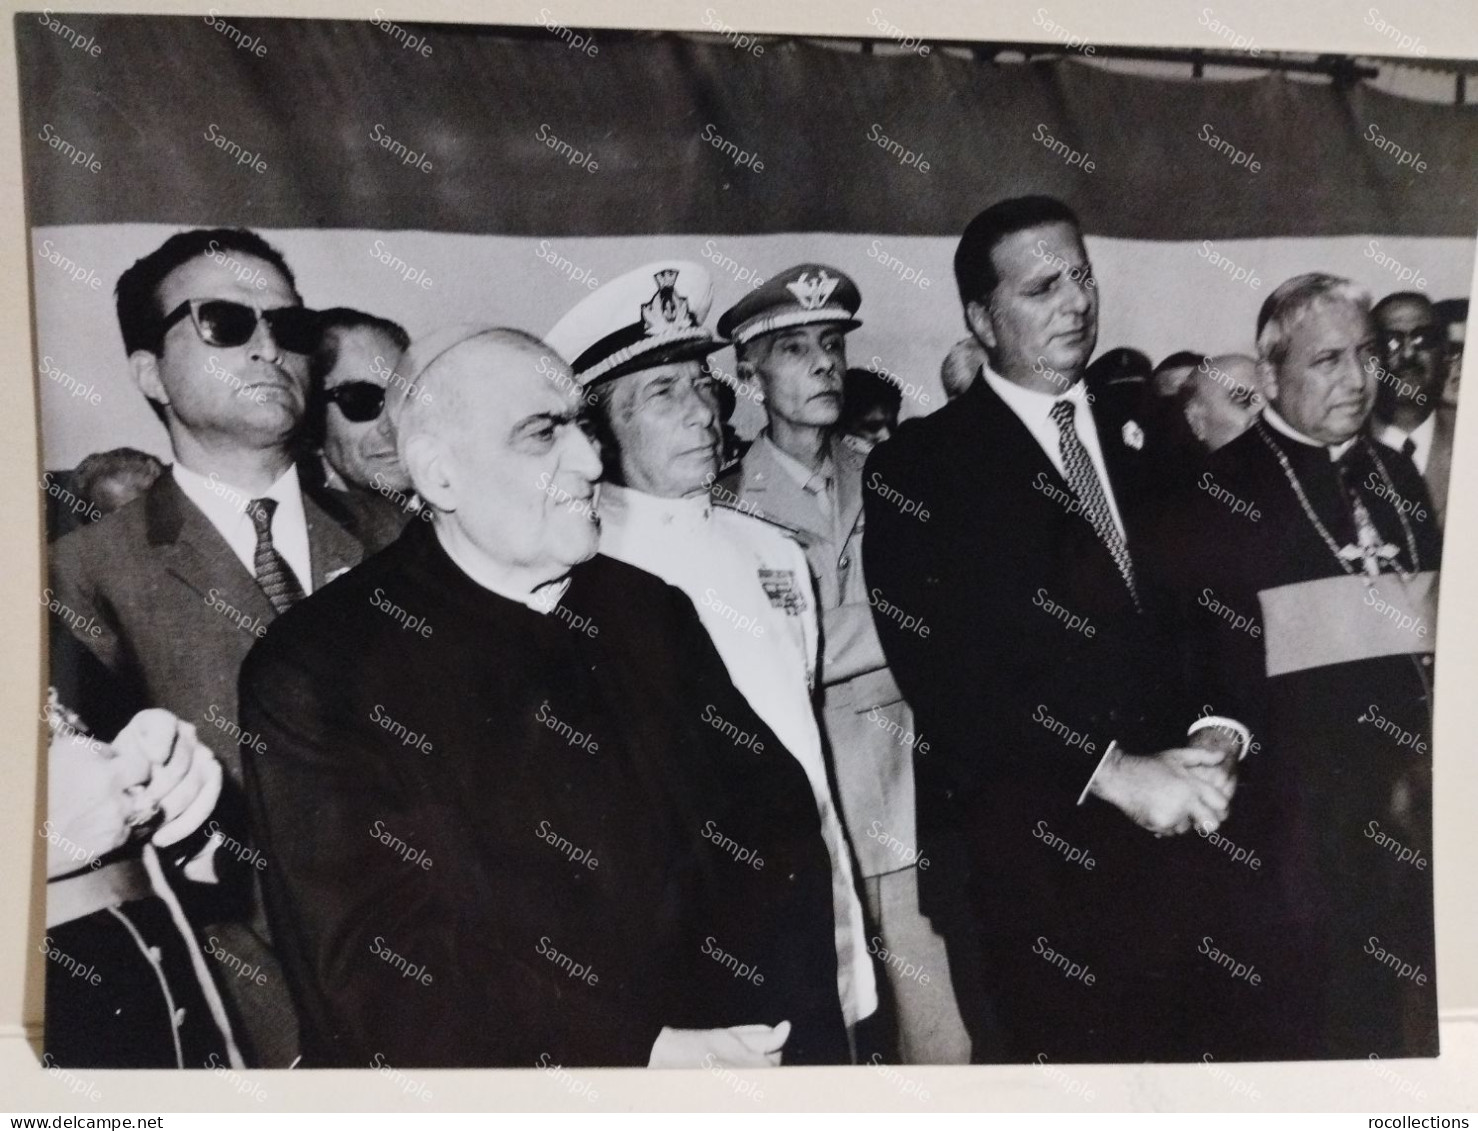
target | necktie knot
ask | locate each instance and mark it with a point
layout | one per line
(1408, 448)
(260, 512)
(1062, 414)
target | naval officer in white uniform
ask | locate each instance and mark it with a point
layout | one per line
(637, 347)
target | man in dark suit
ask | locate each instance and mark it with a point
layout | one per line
(1002, 580)
(1410, 413)
(172, 590)
(349, 464)
(514, 809)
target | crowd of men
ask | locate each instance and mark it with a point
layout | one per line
(483, 699)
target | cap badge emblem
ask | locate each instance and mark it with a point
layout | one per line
(666, 310)
(812, 293)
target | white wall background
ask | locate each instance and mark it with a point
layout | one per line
(1157, 297)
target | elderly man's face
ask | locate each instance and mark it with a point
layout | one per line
(800, 371)
(254, 394)
(522, 471)
(1413, 349)
(667, 426)
(1042, 318)
(362, 451)
(1325, 386)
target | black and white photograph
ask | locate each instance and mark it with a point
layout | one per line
(573, 548)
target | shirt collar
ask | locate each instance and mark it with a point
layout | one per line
(224, 504)
(1278, 424)
(821, 479)
(1422, 435)
(1031, 404)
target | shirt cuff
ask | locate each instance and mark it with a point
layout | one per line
(1220, 721)
(1112, 746)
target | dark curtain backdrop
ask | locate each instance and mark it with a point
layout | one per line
(640, 106)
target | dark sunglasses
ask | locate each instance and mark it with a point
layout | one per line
(221, 322)
(1421, 338)
(359, 401)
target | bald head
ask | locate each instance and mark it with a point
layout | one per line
(488, 424)
(961, 365)
(442, 375)
(1221, 397)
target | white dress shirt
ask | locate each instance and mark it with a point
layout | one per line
(1421, 436)
(225, 508)
(752, 590)
(1034, 410)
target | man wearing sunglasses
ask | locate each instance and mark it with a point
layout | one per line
(351, 463)
(1410, 414)
(177, 585)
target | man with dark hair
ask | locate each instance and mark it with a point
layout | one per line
(870, 404)
(1453, 314)
(352, 462)
(1411, 414)
(177, 585)
(1015, 618)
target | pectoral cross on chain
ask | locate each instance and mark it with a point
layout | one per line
(1370, 550)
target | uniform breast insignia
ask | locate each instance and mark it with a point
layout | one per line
(781, 588)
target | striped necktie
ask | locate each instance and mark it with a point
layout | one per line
(1082, 477)
(274, 575)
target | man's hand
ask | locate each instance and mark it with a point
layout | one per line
(91, 790)
(1168, 792)
(739, 1046)
(185, 778)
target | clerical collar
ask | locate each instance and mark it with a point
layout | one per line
(1278, 424)
(543, 599)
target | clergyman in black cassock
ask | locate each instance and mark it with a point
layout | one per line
(1322, 641)
(514, 811)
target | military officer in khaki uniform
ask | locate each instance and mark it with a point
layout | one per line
(636, 346)
(789, 338)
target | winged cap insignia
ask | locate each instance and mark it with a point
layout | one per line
(812, 293)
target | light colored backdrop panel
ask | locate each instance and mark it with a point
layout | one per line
(1157, 297)
(1448, 1084)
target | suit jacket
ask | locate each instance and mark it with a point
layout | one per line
(563, 800)
(177, 612)
(869, 727)
(977, 568)
(372, 517)
(1439, 462)
(160, 598)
